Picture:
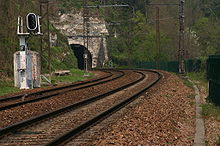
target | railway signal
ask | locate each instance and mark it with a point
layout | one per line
(27, 62)
(32, 22)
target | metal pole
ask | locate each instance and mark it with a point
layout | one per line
(181, 52)
(85, 34)
(158, 36)
(41, 40)
(48, 43)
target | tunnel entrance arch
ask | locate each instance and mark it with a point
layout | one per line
(78, 51)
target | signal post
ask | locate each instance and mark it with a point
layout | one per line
(27, 62)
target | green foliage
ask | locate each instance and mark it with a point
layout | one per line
(209, 110)
(136, 42)
(207, 28)
(207, 36)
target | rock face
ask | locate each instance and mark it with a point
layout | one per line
(71, 25)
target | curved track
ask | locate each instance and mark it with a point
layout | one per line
(53, 89)
(14, 101)
(45, 128)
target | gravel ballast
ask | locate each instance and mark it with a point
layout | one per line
(163, 116)
(54, 127)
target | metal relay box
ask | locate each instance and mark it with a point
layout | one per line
(27, 69)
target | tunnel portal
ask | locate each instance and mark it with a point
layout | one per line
(78, 51)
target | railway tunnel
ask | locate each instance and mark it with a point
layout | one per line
(78, 51)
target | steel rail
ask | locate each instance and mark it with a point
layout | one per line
(53, 89)
(15, 127)
(56, 94)
(102, 115)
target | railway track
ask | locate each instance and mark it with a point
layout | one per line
(18, 100)
(47, 128)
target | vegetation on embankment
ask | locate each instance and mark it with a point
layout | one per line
(208, 109)
(210, 112)
(199, 76)
(61, 54)
(7, 85)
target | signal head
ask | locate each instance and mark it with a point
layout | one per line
(32, 22)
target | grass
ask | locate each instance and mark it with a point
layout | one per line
(187, 83)
(199, 76)
(7, 86)
(210, 110)
(76, 75)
